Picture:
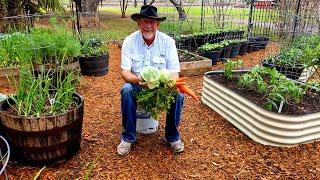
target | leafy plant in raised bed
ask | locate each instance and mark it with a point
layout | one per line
(276, 87)
(229, 66)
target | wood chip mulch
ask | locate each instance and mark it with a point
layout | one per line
(214, 149)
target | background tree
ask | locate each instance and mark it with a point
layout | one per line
(177, 5)
(123, 7)
(3, 13)
(90, 5)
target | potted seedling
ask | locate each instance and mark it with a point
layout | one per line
(243, 46)
(288, 62)
(211, 51)
(226, 50)
(94, 57)
(235, 47)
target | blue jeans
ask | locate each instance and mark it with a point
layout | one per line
(129, 119)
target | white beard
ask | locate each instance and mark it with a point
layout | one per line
(148, 36)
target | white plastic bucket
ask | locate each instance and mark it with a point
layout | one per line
(145, 123)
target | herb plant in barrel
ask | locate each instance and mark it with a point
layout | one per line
(43, 125)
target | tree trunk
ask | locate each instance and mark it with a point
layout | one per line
(123, 7)
(89, 5)
(179, 7)
(15, 7)
(3, 8)
(135, 3)
(3, 13)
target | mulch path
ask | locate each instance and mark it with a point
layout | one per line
(214, 149)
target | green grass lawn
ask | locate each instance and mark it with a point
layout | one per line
(112, 29)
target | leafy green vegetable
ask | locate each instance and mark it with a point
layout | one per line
(160, 93)
(150, 75)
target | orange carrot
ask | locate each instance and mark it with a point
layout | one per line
(186, 90)
(180, 83)
(181, 79)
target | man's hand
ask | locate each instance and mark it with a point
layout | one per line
(175, 76)
(142, 83)
(130, 77)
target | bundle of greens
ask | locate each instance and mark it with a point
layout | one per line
(159, 93)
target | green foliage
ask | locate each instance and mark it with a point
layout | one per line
(56, 45)
(12, 48)
(229, 66)
(34, 96)
(225, 43)
(160, 92)
(235, 41)
(93, 46)
(276, 87)
(304, 51)
(210, 47)
(156, 100)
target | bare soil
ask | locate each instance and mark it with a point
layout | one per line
(187, 57)
(214, 149)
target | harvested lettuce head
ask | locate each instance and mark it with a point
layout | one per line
(164, 75)
(150, 75)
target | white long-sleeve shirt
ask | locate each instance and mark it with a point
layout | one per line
(162, 53)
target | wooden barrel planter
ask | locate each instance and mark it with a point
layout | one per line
(94, 66)
(5, 73)
(43, 140)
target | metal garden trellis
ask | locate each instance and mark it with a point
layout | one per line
(284, 19)
(4, 156)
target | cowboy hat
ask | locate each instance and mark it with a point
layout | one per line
(147, 11)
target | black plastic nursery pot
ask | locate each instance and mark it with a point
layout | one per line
(260, 40)
(263, 44)
(255, 47)
(249, 48)
(292, 72)
(213, 55)
(226, 52)
(235, 50)
(243, 48)
(201, 40)
(94, 66)
(213, 38)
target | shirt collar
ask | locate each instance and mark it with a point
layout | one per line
(144, 43)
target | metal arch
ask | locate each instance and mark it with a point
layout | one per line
(4, 159)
